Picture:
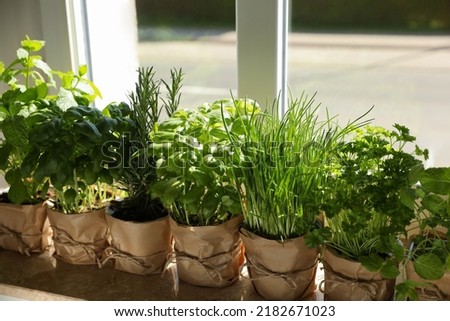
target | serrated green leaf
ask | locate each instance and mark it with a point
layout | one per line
(15, 131)
(389, 270)
(32, 45)
(429, 266)
(22, 53)
(65, 99)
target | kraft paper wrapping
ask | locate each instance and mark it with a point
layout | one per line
(138, 247)
(24, 228)
(280, 270)
(209, 256)
(79, 238)
(348, 280)
(438, 290)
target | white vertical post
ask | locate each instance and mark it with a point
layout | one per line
(262, 30)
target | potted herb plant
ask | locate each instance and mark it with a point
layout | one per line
(32, 93)
(62, 150)
(365, 214)
(138, 223)
(281, 163)
(195, 184)
(428, 264)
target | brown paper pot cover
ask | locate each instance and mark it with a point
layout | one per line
(348, 280)
(439, 290)
(139, 247)
(280, 270)
(24, 228)
(209, 256)
(79, 238)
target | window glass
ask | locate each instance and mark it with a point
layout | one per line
(197, 36)
(393, 55)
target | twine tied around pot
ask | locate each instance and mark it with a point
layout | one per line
(63, 238)
(370, 288)
(431, 293)
(23, 247)
(290, 278)
(212, 271)
(114, 253)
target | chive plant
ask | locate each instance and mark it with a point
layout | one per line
(281, 165)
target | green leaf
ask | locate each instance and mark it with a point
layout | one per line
(201, 178)
(429, 266)
(5, 151)
(65, 99)
(389, 270)
(42, 91)
(32, 45)
(436, 180)
(70, 196)
(406, 290)
(82, 70)
(18, 192)
(373, 262)
(193, 195)
(88, 129)
(12, 176)
(447, 263)
(408, 197)
(15, 131)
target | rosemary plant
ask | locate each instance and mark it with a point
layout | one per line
(282, 164)
(137, 169)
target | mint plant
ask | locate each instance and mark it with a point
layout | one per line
(33, 95)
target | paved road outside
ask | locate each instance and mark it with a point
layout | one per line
(406, 78)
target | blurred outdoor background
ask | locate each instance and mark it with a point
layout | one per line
(352, 54)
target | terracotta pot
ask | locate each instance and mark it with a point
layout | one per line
(349, 280)
(138, 247)
(79, 238)
(438, 290)
(209, 256)
(24, 228)
(280, 270)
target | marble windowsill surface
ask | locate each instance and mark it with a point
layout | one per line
(41, 277)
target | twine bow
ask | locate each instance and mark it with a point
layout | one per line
(23, 247)
(432, 293)
(64, 238)
(290, 278)
(369, 288)
(144, 262)
(214, 272)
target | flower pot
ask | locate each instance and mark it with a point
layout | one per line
(280, 270)
(209, 256)
(79, 238)
(438, 290)
(24, 228)
(349, 280)
(138, 247)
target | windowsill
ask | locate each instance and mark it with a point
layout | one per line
(40, 277)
